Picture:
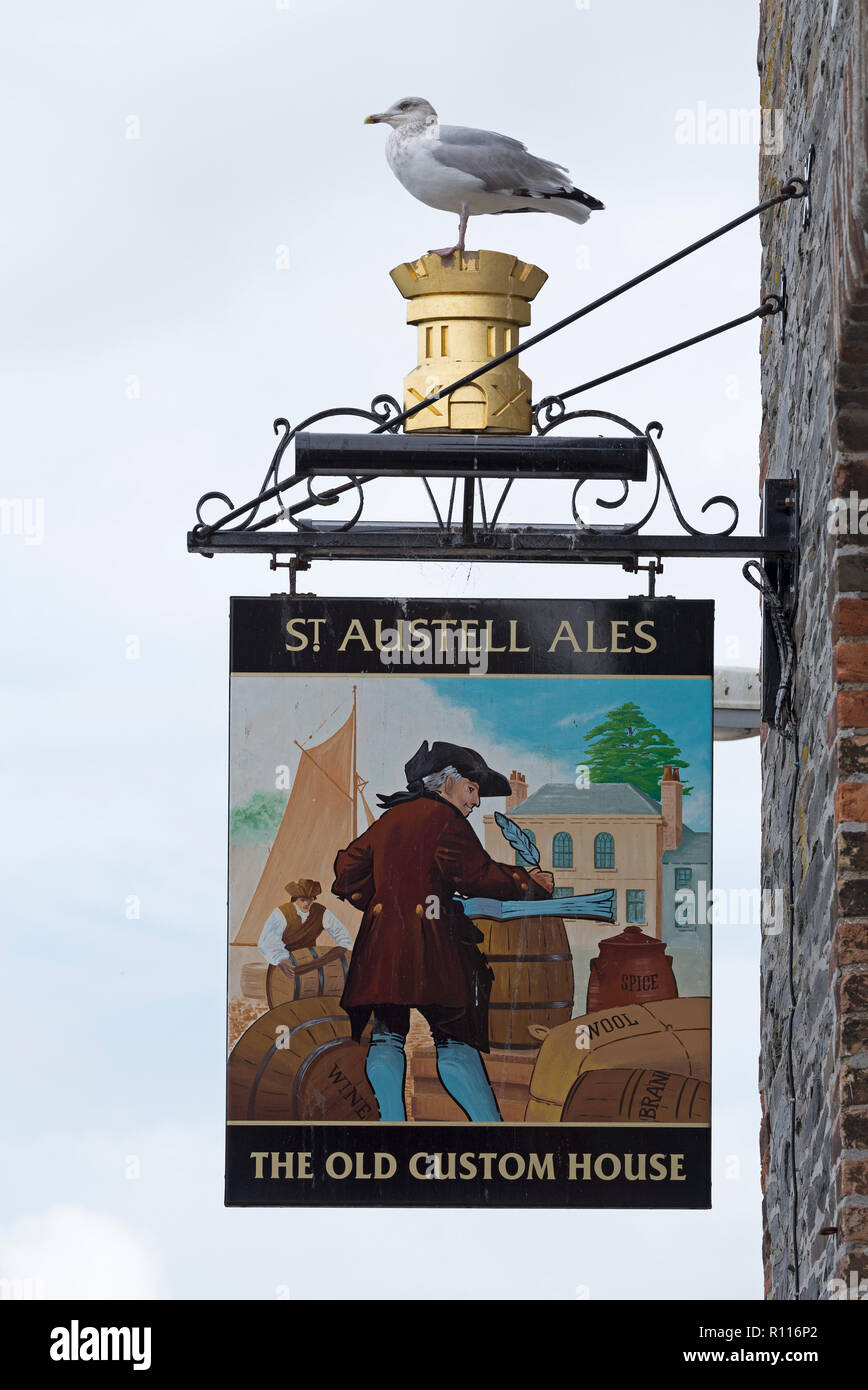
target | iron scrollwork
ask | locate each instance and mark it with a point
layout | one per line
(246, 517)
(551, 412)
(386, 415)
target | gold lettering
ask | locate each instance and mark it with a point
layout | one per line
(580, 1161)
(466, 625)
(345, 1161)
(631, 1162)
(302, 641)
(425, 639)
(591, 647)
(617, 635)
(443, 624)
(614, 1162)
(378, 637)
(356, 633)
(385, 1165)
(487, 1159)
(489, 638)
(542, 1167)
(565, 634)
(650, 638)
(513, 638)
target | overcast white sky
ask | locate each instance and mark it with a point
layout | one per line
(149, 342)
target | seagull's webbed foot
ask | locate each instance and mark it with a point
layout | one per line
(462, 232)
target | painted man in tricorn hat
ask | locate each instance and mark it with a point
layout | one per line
(415, 947)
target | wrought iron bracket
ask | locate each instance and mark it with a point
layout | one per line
(807, 207)
(777, 582)
(468, 528)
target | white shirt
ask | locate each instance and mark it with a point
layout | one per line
(271, 937)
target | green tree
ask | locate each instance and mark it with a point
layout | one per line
(258, 818)
(627, 747)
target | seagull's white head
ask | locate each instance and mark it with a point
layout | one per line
(409, 111)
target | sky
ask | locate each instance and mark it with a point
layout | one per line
(536, 725)
(551, 720)
(200, 237)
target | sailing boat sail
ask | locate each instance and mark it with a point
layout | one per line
(320, 818)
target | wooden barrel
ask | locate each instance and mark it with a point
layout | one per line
(533, 978)
(637, 1096)
(671, 1035)
(253, 975)
(509, 1074)
(299, 1062)
(326, 982)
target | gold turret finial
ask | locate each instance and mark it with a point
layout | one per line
(468, 308)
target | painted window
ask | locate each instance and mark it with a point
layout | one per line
(683, 877)
(563, 892)
(519, 858)
(604, 851)
(562, 850)
(636, 905)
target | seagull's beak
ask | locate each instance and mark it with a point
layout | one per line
(372, 120)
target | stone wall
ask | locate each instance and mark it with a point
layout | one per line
(812, 66)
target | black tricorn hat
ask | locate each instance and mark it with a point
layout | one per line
(466, 761)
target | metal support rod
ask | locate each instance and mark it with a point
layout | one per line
(539, 544)
(794, 188)
(467, 512)
(653, 568)
(772, 304)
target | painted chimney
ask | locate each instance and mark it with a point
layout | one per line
(519, 790)
(671, 793)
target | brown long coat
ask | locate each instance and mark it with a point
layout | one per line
(400, 872)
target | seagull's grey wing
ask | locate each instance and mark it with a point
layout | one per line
(502, 165)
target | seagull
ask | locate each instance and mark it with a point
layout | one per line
(466, 171)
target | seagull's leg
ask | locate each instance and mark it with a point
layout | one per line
(459, 245)
(462, 227)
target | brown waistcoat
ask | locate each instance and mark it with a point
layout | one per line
(298, 933)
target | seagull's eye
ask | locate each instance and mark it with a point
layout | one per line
(403, 105)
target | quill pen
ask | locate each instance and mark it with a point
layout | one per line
(518, 838)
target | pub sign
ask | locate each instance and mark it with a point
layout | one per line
(469, 845)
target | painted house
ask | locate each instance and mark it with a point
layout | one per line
(609, 835)
(687, 866)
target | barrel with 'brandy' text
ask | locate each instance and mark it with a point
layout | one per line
(299, 1062)
(638, 1096)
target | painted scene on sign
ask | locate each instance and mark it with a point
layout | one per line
(469, 900)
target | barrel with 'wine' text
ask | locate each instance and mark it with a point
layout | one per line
(299, 1062)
